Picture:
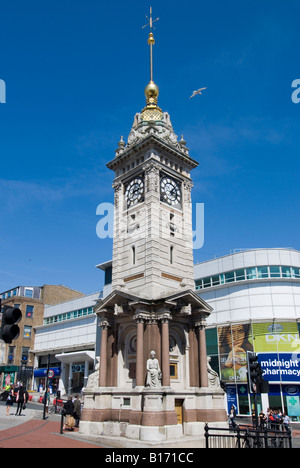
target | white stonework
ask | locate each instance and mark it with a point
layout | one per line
(152, 247)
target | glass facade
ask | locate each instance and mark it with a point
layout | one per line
(252, 273)
(69, 315)
(277, 345)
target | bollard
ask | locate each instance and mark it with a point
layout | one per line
(62, 423)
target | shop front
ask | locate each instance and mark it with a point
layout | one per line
(277, 346)
(8, 375)
(76, 368)
(40, 379)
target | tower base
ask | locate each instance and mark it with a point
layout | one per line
(150, 416)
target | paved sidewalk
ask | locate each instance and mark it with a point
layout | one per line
(30, 431)
(7, 422)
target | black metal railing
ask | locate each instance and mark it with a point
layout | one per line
(247, 437)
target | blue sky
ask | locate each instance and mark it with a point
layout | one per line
(75, 74)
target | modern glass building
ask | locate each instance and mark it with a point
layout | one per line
(255, 295)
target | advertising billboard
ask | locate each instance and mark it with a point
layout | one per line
(276, 344)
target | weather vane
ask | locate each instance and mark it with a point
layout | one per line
(150, 21)
(151, 112)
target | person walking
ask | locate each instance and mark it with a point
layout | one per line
(21, 398)
(10, 399)
(47, 400)
(77, 410)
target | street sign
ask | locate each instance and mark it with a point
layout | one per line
(50, 374)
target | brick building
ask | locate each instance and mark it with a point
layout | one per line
(16, 359)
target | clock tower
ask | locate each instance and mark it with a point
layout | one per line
(153, 382)
(152, 248)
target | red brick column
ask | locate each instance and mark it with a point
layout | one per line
(202, 353)
(103, 354)
(165, 345)
(140, 378)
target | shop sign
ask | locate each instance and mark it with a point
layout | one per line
(280, 337)
(282, 367)
(78, 368)
(231, 397)
(234, 342)
(43, 372)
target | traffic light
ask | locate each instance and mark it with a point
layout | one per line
(9, 329)
(255, 377)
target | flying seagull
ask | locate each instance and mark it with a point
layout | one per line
(197, 92)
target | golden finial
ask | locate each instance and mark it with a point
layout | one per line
(152, 111)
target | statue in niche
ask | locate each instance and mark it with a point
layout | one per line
(154, 374)
(213, 376)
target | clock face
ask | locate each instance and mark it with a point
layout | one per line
(170, 191)
(134, 191)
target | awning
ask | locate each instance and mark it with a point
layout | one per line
(78, 356)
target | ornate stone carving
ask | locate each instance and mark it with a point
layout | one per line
(141, 129)
(152, 177)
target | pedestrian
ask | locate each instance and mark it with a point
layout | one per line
(77, 410)
(286, 422)
(68, 412)
(46, 400)
(232, 416)
(10, 399)
(262, 420)
(272, 420)
(253, 418)
(21, 398)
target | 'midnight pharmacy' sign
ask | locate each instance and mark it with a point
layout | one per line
(281, 367)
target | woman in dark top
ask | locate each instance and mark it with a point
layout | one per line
(21, 398)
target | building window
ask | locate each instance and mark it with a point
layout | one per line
(295, 272)
(286, 272)
(171, 254)
(262, 272)
(28, 292)
(173, 370)
(25, 355)
(27, 332)
(229, 277)
(29, 311)
(251, 273)
(274, 271)
(11, 354)
(215, 280)
(206, 282)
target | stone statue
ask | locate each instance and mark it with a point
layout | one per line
(93, 380)
(153, 371)
(213, 377)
